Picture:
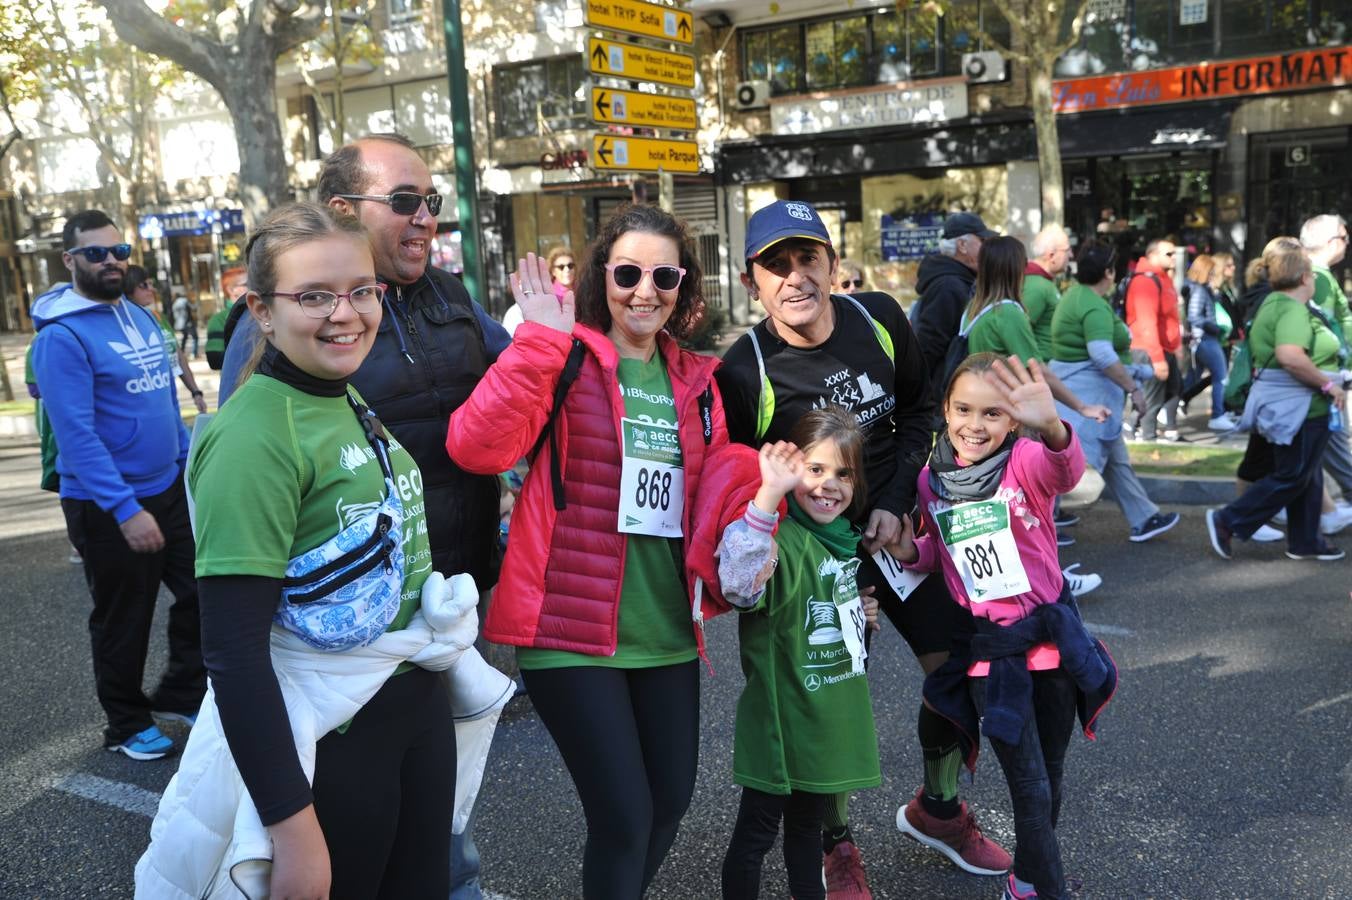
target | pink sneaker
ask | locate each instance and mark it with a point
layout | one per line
(845, 874)
(960, 838)
(1012, 892)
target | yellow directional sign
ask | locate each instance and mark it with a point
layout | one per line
(640, 154)
(642, 18)
(612, 107)
(638, 63)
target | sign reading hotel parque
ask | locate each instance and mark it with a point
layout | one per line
(666, 23)
(894, 104)
(1301, 70)
(642, 154)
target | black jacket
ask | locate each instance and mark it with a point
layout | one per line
(945, 287)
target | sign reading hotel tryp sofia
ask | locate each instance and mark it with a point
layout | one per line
(1301, 70)
(896, 104)
(635, 62)
(666, 23)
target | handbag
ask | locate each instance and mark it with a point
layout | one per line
(346, 592)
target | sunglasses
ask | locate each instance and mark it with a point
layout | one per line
(852, 282)
(567, 267)
(99, 254)
(402, 203)
(628, 275)
(322, 304)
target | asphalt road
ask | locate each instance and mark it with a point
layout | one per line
(1221, 770)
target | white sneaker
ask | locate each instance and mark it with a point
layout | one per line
(1266, 534)
(1222, 423)
(1279, 518)
(1334, 522)
(1080, 584)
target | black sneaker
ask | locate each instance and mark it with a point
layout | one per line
(1065, 520)
(1326, 553)
(1220, 534)
(1153, 526)
(1065, 540)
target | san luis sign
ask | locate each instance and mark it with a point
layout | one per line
(1302, 70)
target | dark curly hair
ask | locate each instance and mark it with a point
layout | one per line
(590, 292)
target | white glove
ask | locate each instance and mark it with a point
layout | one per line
(452, 608)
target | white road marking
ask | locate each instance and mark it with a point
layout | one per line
(1115, 630)
(1322, 704)
(124, 796)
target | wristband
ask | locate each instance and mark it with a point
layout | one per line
(195, 393)
(1326, 387)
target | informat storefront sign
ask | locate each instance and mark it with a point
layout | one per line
(911, 237)
(190, 222)
(1301, 70)
(890, 105)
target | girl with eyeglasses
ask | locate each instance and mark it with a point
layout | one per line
(595, 592)
(850, 277)
(562, 271)
(138, 286)
(317, 587)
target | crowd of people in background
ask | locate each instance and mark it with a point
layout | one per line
(842, 459)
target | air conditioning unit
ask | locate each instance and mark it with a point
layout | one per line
(753, 94)
(982, 68)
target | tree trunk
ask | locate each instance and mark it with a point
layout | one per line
(251, 98)
(1048, 144)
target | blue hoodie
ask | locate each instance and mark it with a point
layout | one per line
(108, 386)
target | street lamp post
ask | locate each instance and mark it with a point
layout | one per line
(466, 178)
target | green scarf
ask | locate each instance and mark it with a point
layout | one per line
(840, 537)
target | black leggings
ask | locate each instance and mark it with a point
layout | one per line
(754, 835)
(385, 791)
(630, 740)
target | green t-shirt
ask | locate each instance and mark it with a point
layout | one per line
(1083, 316)
(170, 342)
(1040, 299)
(216, 330)
(1005, 330)
(1329, 296)
(654, 627)
(279, 472)
(1282, 319)
(804, 721)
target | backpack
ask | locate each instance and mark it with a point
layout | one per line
(1243, 374)
(1119, 301)
(958, 347)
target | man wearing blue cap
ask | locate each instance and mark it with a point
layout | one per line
(857, 352)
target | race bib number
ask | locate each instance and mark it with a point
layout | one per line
(652, 482)
(850, 610)
(903, 581)
(981, 544)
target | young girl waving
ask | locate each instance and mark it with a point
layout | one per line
(804, 725)
(986, 498)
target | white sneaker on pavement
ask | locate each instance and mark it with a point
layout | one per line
(1266, 534)
(1222, 423)
(1334, 522)
(1080, 584)
(1279, 518)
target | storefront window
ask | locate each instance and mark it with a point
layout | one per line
(961, 25)
(544, 93)
(837, 53)
(904, 46)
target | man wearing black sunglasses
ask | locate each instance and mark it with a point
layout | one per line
(107, 383)
(434, 344)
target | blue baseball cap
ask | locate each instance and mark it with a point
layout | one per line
(780, 221)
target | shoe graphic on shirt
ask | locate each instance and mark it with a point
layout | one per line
(822, 625)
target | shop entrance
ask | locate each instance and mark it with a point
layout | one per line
(1294, 175)
(1132, 200)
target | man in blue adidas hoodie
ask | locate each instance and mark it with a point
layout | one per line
(108, 384)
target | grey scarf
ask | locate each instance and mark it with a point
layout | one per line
(959, 484)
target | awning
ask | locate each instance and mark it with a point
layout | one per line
(1165, 129)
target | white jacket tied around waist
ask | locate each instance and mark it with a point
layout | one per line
(207, 839)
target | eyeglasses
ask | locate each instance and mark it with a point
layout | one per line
(852, 282)
(628, 275)
(566, 267)
(402, 203)
(322, 304)
(145, 286)
(99, 254)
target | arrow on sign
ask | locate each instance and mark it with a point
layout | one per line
(684, 30)
(602, 107)
(599, 57)
(603, 151)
